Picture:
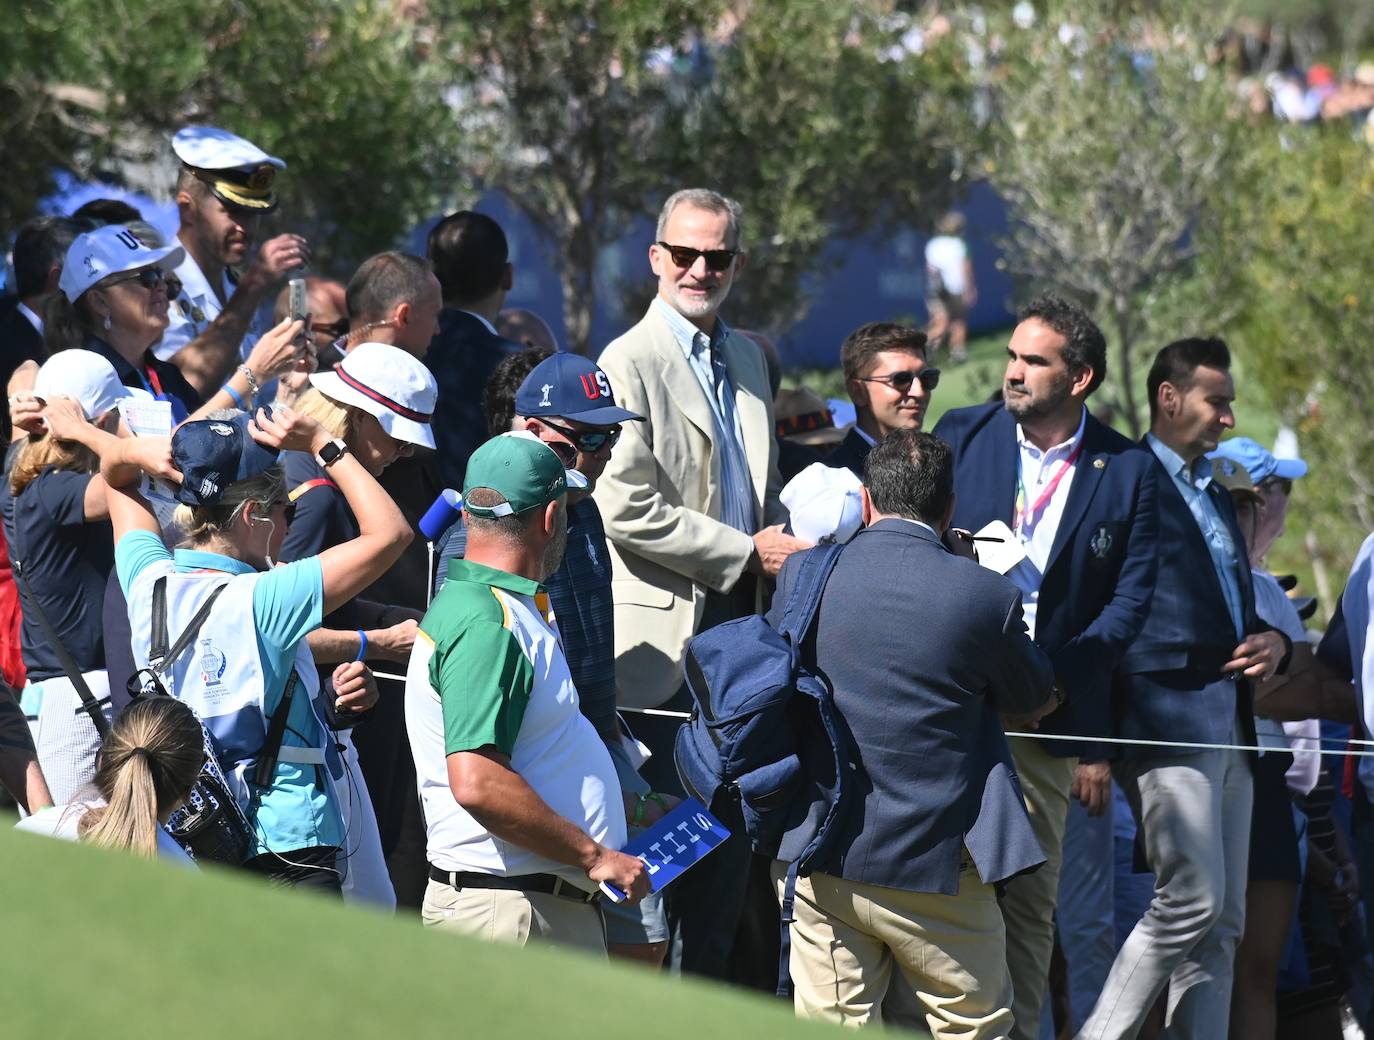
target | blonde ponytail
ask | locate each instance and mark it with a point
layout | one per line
(146, 768)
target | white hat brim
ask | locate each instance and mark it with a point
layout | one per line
(397, 426)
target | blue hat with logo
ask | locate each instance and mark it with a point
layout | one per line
(214, 453)
(1258, 460)
(573, 387)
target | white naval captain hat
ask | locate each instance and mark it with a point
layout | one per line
(237, 171)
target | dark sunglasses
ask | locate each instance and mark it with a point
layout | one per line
(590, 441)
(332, 329)
(566, 453)
(1278, 482)
(716, 259)
(901, 381)
(150, 278)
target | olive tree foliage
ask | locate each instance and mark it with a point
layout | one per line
(1115, 145)
(1305, 232)
(342, 91)
(589, 113)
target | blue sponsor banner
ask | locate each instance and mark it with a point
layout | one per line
(673, 845)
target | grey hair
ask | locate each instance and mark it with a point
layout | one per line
(712, 202)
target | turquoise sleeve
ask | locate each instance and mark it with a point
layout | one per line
(135, 553)
(288, 604)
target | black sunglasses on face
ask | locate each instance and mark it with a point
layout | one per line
(150, 278)
(716, 259)
(589, 441)
(332, 330)
(901, 381)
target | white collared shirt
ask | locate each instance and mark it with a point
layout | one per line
(191, 313)
(1037, 532)
(34, 319)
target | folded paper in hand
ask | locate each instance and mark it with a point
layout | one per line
(1000, 556)
(678, 841)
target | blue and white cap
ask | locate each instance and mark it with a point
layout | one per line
(238, 172)
(112, 249)
(573, 387)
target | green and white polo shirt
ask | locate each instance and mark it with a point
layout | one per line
(487, 670)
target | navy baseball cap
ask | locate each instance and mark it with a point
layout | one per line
(571, 386)
(214, 453)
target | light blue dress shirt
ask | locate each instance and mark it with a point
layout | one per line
(703, 354)
(1192, 482)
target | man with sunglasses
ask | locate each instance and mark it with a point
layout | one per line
(690, 504)
(887, 378)
(223, 191)
(1081, 501)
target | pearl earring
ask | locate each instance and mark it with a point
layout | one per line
(107, 323)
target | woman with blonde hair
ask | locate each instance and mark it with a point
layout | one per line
(58, 533)
(146, 768)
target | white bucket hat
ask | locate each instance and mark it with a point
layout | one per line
(112, 249)
(387, 383)
(84, 376)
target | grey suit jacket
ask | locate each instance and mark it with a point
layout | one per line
(660, 499)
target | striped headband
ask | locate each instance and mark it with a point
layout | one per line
(382, 399)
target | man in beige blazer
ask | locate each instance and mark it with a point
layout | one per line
(690, 505)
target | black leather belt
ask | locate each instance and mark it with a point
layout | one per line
(548, 884)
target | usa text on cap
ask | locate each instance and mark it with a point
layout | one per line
(573, 387)
(112, 249)
(238, 172)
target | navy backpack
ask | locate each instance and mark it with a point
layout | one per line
(764, 730)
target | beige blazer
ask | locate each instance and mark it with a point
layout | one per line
(660, 498)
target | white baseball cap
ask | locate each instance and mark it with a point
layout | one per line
(84, 376)
(388, 383)
(112, 249)
(824, 503)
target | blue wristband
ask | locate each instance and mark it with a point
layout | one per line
(362, 648)
(238, 401)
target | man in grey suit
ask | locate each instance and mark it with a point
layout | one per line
(922, 648)
(690, 505)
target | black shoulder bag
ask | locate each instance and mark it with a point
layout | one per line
(89, 703)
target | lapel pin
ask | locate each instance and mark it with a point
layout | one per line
(1099, 463)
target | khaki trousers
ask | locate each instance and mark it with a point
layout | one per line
(1028, 901)
(949, 950)
(500, 915)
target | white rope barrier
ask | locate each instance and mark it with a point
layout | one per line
(1183, 745)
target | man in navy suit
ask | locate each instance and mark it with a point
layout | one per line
(922, 649)
(1081, 500)
(470, 258)
(887, 378)
(1187, 678)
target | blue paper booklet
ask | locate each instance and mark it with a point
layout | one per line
(673, 845)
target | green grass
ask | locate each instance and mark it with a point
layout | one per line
(101, 944)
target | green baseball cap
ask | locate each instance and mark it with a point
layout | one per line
(525, 470)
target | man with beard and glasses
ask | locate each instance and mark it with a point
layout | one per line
(691, 510)
(521, 799)
(1081, 500)
(222, 193)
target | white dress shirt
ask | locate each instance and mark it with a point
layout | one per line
(1037, 530)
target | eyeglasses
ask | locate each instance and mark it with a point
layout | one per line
(716, 259)
(150, 278)
(1283, 483)
(333, 329)
(901, 381)
(589, 441)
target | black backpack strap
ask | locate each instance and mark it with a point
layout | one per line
(89, 703)
(789, 899)
(804, 599)
(159, 656)
(276, 729)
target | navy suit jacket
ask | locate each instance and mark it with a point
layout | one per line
(462, 357)
(19, 342)
(850, 453)
(1095, 594)
(922, 648)
(1160, 690)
